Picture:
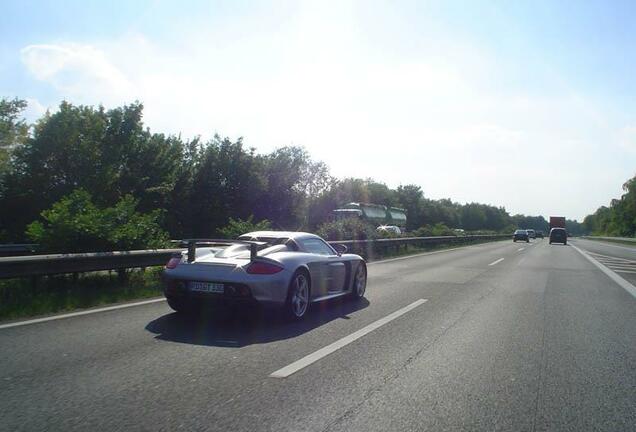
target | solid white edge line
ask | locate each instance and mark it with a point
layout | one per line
(84, 312)
(612, 275)
(496, 262)
(323, 352)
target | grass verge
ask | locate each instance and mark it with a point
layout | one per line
(21, 298)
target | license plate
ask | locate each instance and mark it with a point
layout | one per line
(210, 287)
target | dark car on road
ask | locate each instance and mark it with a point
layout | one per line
(558, 235)
(540, 234)
(521, 235)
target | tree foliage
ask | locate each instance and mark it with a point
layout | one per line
(619, 219)
(13, 130)
(238, 227)
(347, 229)
(77, 224)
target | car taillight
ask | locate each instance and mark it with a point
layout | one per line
(263, 268)
(174, 261)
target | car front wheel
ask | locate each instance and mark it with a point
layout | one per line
(298, 296)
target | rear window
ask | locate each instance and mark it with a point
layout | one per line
(316, 246)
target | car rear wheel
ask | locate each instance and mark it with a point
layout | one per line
(359, 282)
(178, 305)
(298, 296)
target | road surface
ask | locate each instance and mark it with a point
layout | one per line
(499, 336)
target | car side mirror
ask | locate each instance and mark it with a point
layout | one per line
(340, 248)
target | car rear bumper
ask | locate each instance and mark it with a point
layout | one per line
(272, 292)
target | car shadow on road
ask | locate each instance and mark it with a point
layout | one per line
(241, 327)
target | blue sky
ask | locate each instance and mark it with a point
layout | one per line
(528, 105)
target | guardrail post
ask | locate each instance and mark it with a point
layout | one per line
(121, 276)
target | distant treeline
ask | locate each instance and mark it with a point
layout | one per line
(86, 171)
(619, 219)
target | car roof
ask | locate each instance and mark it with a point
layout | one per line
(295, 235)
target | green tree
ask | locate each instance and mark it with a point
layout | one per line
(410, 197)
(238, 227)
(13, 130)
(77, 224)
(619, 219)
(107, 153)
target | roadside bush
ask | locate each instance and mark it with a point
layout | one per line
(439, 229)
(347, 229)
(486, 232)
(386, 234)
(237, 227)
(76, 224)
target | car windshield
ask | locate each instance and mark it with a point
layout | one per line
(272, 215)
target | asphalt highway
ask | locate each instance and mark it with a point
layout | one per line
(500, 336)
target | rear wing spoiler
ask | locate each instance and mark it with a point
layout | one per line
(192, 245)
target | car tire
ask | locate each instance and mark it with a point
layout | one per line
(298, 296)
(178, 305)
(359, 286)
(528, 241)
(565, 243)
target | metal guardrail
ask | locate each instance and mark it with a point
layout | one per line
(13, 249)
(38, 265)
(622, 239)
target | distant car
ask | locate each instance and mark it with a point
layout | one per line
(531, 233)
(558, 235)
(290, 270)
(389, 229)
(540, 234)
(521, 235)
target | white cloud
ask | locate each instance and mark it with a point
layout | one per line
(79, 72)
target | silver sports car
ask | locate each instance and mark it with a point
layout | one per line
(284, 269)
